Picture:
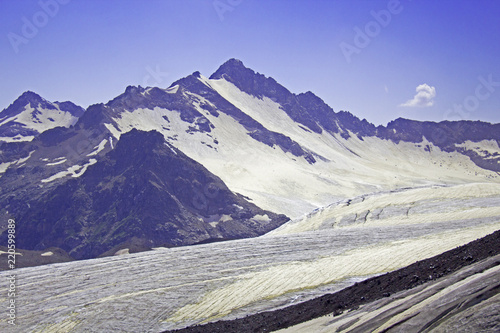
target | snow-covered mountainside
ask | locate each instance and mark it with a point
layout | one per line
(286, 153)
(31, 115)
(292, 153)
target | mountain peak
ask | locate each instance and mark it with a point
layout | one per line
(34, 99)
(134, 90)
(30, 114)
(234, 62)
(140, 139)
(30, 95)
(232, 68)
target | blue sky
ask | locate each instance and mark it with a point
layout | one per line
(366, 57)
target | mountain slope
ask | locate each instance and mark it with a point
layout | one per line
(146, 189)
(31, 115)
(289, 154)
(292, 153)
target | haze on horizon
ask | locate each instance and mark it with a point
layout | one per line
(380, 60)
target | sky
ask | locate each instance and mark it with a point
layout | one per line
(380, 60)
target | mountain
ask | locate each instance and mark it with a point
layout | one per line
(293, 153)
(31, 115)
(180, 169)
(286, 153)
(144, 189)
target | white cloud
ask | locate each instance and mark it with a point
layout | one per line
(424, 97)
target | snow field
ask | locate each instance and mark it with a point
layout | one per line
(341, 151)
(39, 120)
(483, 148)
(364, 261)
(171, 288)
(413, 206)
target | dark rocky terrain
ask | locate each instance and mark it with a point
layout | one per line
(143, 189)
(27, 258)
(365, 292)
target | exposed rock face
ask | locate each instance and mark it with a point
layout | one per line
(146, 189)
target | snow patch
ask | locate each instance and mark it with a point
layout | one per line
(172, 90)
(57, 163)
(488, 149)
(74, 171)
(4, 166)
(121, 252)
(172, 149)
(261, 218)
(17, 138)
(112, 129)
(22, 160)
(99, 147)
